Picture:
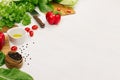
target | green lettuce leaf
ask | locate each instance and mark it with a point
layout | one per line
(67, 2)
(2, 58)
(45, 7)
(14, 74)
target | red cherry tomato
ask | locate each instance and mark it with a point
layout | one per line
(53, 18)
(58, 9)
(68, 11)
(34, 27)
(14, 48)
(27, 29)
(31, 33)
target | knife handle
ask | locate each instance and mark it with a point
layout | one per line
(42, 25)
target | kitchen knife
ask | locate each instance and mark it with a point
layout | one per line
(35, 15)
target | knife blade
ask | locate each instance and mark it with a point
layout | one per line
(35, 15)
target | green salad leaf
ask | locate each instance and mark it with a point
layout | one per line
(57, 1)
(14, 74)
(69, 2)
(26, 19)
(2, 58)
(15, 11)
(45, 5)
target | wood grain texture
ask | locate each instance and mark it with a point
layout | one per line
(6, 47)
(64, 10)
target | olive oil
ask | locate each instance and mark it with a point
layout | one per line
(17, 35)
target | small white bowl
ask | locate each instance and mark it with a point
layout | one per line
(17, 40)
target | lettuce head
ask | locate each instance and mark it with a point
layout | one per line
(67, 2)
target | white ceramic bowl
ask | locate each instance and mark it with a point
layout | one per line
(17, 40)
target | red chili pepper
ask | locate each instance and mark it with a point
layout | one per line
(53, 18)
(2, 40)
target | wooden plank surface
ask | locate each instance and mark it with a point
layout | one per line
(6, 47)
(64, 10)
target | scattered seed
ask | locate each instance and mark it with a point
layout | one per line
(33, 42)
(27, 55)
(30, 58)
(25, 60)
(28, 64)
(22, 45)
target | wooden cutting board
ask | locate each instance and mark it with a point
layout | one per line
(64, 10)
(6, 47)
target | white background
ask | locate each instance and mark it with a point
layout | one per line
(84, 46)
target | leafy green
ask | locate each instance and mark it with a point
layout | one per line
(43, 1)
(68, 2)
(57, 1)
(45, 5)
(26, 19)
(14, 74)
(15, 11)
(34, 2)
(2, 58)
